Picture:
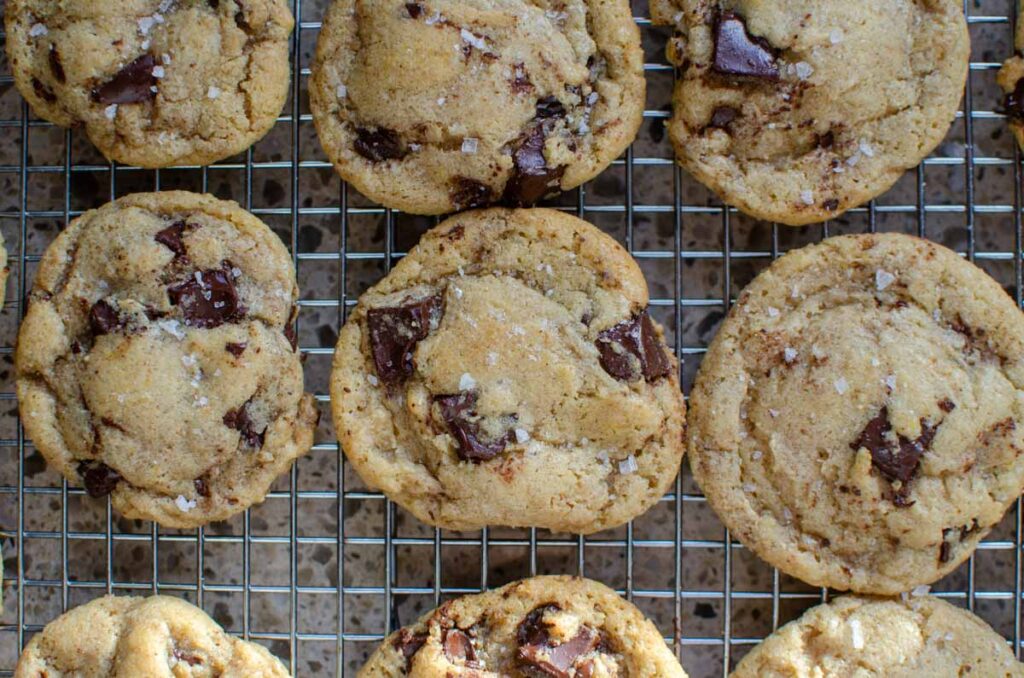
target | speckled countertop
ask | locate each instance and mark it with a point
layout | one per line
(294, 564)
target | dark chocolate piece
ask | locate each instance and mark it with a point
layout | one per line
(240, 420)
(42, 91)
(550, 107)
(631, 350)
(538, 653)
(459, 413)
(208, 298)
(235, 348)
(56, 65)
(531, 178)
(202, 489)
(458, 646)
(394, 333)
(738, 53)
(170, 238)
(466, 193)
(1013, 103)
(133, 84)
(414, 9)
(380, 144)
(408, 644)
(104, 318)
(98, 478)
(896, 458)
(722, 117)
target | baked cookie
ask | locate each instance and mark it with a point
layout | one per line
(433, 106)
(124, 637)
(154, 82)
(554, 626)
(157, 361)
(865, 637)
(797, 111)
(4, 271)
(858, 421)
(1011, 79)
(506, 373)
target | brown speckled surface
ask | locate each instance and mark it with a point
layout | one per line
(306, 594)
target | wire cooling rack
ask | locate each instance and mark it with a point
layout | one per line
(325, 567)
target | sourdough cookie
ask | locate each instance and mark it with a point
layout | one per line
(875, 637)
(857, 421)
(154, 82)
(157, 360)
(552, 626)
(127, 637)
(797, 111)
(506, 373)
(434, 106)
(1011, 80)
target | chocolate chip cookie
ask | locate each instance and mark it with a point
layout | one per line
(506, 372)
(875, 637)
(156, 636)
(1011, 80)
(858, 421)
(157, 360)
(555, 626)
(434, 106)
(154, 82)
(797, 111)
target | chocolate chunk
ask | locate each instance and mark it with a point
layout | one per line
(170, 238)
(208, 298)
(550, 107)
(43, 92)
(291, 332)
(537, 652)
(56, 65)
(832, 204)
(240, 16)
(380, 144)
(394, 333)
(408, 644)
(98, 478)
(133, 84)
(826, 140)
(631, 350)
(458, 646)
(214, 4)
(202, 489)
(104, 318)
(459, 413)
(235, 348)
(414, 9)
(188, 658)
(896, 459)
(466, 193)
(945, 549)
(531, 178)
(947, 405)
(240, 420)
(738, 53)
(1013, 103)
(722, 117)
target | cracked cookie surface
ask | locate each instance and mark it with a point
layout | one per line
(867, 637)
(154, 82)
(795, 112)
(506, 373)
(1011, 79)
(857, 421)
(123, 636)
(156, 362)
(553, 626)
(434, 106)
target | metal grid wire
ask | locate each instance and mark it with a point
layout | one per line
(325, 568)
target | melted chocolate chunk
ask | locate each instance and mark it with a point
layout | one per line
(897, 459)
(826, 140)
(235, 348)
(170, 238)
(414, 9)
(947, 405)
(458, 646)
(394, 333)
(188, 658)
(240, 420)
(408, 644)
(202, 489)
(550, 107)
(466, 193)
(133, 84)
(738, 53)
(208, 298)
(98, 478)
(722, 117)
(1013, 103)
(631, 350)
(832, 204)
(537, 653)
(378, 145)
(459, 413)
(104, 318)
(43, 92)
(56, 65)
(531, 178)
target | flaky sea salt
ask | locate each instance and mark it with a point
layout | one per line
(37, 30)
(890, 382)
(522, 435)
(773, 414)
(803, 70)
(158, 72)
(789, 354)
(807, 197)
(749, 488)
(472, 39)
(841, 385)
(145, 24)
(836, 36)
(172, 327)
(469, 145)
(213, 92)
(883, 279)
(110, 111)
(921, 590)
(866, 148)
(856, 634)
(628, 465)
(342, 91)
(184, 505)
(773, 312)
(757, 454)
(467, 382)
(372, 379)
(492, 358)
